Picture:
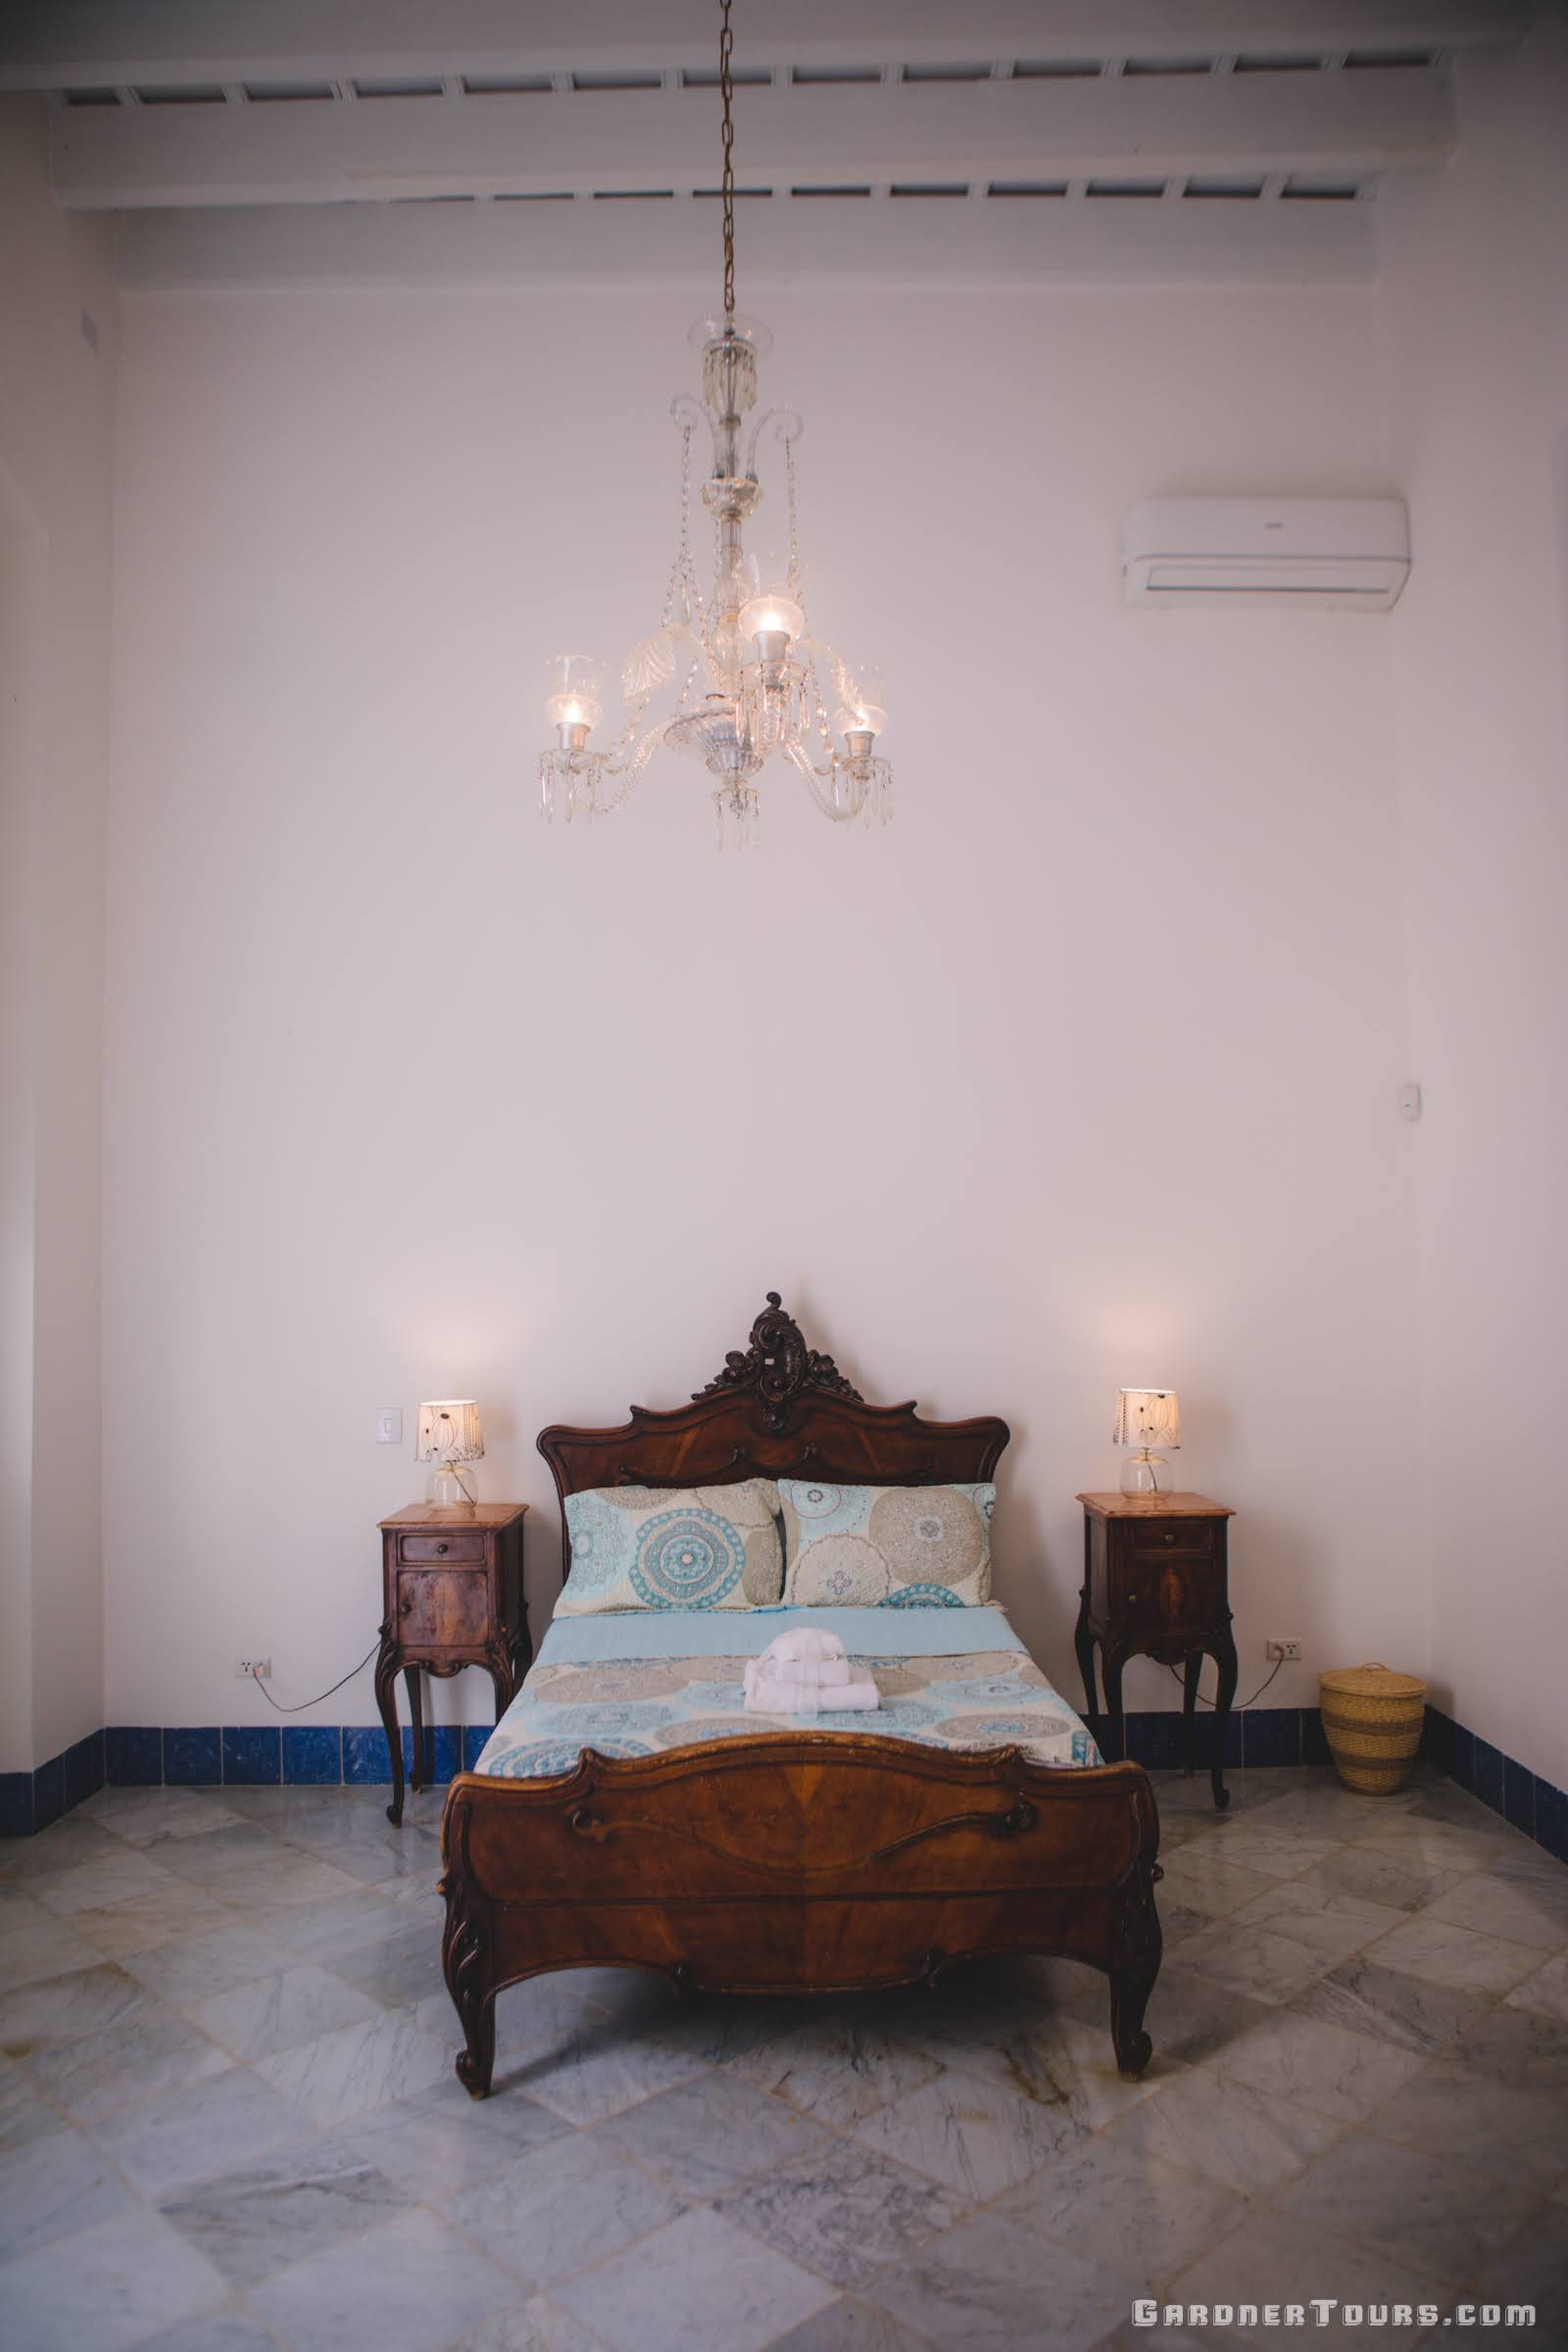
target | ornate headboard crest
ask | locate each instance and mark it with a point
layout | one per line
(779, 1366)
(778, 1410)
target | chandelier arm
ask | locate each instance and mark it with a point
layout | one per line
(788, 425)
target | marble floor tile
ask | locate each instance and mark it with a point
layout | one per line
(53, 2187)
(1266, 1962)
(229, 2329)
(194, 1970)
(974, 2135)
(1546, 1990)
(65, 1846)
(990, 2286)
(1431, 1947)
(1189, 2016)
(537, 2325)
(1531, 1910)
(343, 1923)
(1377, 1874)
(413, 2282)
(396, 1971)
(719, 2028)
(1517, 2046)
(1202, 1879)
(139, 1923)
(211, 1854)
(1496, 2128)
(24, 2115)
(1065, 2066)
(441, 2141)
(836, 2070)
(105, 2287)
(1532, 2268)
(191, 2134)
(1431, 2216)
(1330, 1921)
(1325, 2067)
(149, 1816)
(593, 2069)
(1273, 2258)
(287, 1877)
(1127, 2212)
(139, 2058)
(282, 2209)
(45, 1947)
(57, 2010)
(1438, 1844)
(562, 2208)
(1390, 2006)
(266, 2014)
(355, 2068)
(843, 2211)
(704, 2134)
(1241, 2137)
(851, 2325)
(699, 2285)
(1279, 1853)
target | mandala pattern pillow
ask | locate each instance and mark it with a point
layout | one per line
(673, 1548)
(886, 1547)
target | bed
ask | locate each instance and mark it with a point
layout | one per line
(627, 1811)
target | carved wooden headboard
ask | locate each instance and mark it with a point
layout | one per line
(778, 1410)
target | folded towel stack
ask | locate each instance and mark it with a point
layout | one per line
(806, 1673)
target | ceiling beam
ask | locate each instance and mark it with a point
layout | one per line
(936, 243)
(649, 141)
(62, 44)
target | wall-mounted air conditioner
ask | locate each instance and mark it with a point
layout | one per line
(1349, 555)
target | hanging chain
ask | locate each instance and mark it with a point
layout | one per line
(726, 87)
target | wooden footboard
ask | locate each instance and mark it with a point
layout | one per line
(797, 1863)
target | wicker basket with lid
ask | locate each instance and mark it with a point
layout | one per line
(1372, 1722)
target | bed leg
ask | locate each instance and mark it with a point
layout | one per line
(1129, 1998)
(466, 1958)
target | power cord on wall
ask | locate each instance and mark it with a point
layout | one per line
(314, 1702)
(1245, 1702)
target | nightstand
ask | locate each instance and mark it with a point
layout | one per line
(1154, 1587)
(454, 1597)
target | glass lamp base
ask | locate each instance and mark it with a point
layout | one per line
(448, 1490)
(1147, 1474)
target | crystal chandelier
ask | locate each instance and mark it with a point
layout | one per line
(740, 672)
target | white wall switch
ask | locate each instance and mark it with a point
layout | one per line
(389, 1424)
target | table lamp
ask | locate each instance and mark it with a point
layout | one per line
(450, 1435)
(1145, 1418)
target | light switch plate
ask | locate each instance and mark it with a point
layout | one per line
(389, 1424)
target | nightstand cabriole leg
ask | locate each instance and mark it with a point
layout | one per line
(1225, 1662)
(1193, 1669)
(1083, 1642)
(386, 1699)
(419, 1743)
(1111, 1665)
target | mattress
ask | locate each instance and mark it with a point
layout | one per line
(634, 1683)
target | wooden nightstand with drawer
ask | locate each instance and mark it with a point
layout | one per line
(1155, 1585)
(454, 1597)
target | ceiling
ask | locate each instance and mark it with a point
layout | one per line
(314, 139)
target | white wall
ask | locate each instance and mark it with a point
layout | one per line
(1082, 1073)
(56, 451)
(1476, 293)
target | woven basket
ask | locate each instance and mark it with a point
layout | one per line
(1372, 1722)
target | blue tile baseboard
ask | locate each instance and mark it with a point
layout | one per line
(325, 1756)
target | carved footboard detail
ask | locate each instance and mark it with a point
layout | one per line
(799, 1863)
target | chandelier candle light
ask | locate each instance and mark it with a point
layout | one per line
(450, 1435)
(753, 679)
(1145, 1418)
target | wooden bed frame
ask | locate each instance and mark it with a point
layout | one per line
(793, 1861)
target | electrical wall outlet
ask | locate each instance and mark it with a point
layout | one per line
(1288, 1652)
(253, 1670)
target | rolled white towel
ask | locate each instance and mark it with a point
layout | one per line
(804, 1644)
(822, 1673)
(770, 1698)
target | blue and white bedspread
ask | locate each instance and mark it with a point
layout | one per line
(636, 1682)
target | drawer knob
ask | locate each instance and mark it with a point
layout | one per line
(1132, 1600)
(1169, 1538)
(441, 1546)
(405, 1607)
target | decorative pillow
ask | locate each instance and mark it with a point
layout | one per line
(886, 1547)
(673, 1548)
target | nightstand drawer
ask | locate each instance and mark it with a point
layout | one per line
(436, 1610)
(439, 1550)
(1168, 1534)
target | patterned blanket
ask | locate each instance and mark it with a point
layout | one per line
(630, 1705)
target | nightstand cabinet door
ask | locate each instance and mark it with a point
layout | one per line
(443, 1608)
(1165, 1596)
